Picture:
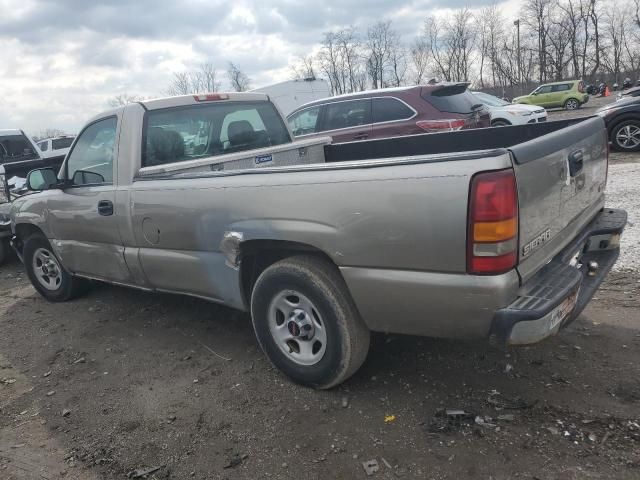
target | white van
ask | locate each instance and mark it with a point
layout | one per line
(291, 94)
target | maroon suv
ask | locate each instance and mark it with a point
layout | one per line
(391, 112)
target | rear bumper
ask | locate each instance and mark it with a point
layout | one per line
(558, 293)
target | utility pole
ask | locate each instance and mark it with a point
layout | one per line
(517, 24)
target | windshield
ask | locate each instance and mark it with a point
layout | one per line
(490, 100)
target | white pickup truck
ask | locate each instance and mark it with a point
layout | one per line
(498, 232)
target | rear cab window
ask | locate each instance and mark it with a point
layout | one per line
(451, 99)
(197, 131)
(15, 148)
(389, 109)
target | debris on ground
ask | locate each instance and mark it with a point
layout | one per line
(389, 418)
(370, 467)
(236, 460)
(66, 412)
(143, 472)
(345, 402)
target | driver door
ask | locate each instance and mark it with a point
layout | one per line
(543, 96)
(82, 216)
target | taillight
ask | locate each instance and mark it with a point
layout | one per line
(492, 239)
(448, 125)
(211, 97)
(581, 87)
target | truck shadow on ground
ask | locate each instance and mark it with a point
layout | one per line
(143, 375)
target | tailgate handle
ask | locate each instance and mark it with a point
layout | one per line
(575, 162)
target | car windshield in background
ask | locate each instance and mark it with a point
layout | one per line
(15, 147)
(490, 100)
(187, 133)
(452, 99)
(59, 143)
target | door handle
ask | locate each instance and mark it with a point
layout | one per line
(575, 162)
(105, 208)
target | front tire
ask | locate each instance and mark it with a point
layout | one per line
(47, 274)
(307, 323)
(4, 251)
(625, 136)
(500, 123)
(571, 104)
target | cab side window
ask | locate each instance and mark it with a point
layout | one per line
(91, 160)
(544, 89)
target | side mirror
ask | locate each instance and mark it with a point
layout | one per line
(84, 177)
(42, 179)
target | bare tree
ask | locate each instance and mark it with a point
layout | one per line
(594, 15)
(536, 15)
(419, 56)
(615, 33)
(381, 46)
(202, 80)
(304, 68)
(124, 99)
(237, 78)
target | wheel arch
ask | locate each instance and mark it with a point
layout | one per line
(24, 231)
(623, 117)
(256, 255)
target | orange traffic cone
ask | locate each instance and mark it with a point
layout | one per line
(607, 92)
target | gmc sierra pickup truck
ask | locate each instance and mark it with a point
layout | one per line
(498, 233)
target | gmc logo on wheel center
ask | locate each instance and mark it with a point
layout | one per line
(537, 242)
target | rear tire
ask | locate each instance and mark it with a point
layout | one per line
(625, 137)
(571, 104)
(47, 274)
(307, 323)
(4, 251)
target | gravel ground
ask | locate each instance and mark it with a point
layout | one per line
(120, 383)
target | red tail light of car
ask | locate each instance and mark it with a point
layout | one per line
(492, 240)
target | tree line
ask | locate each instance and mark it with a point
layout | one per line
(551, 40)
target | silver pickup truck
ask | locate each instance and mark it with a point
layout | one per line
(497, 233)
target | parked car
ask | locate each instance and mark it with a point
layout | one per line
(55, 147)
(462, 234)
(391, 112)
(504, 113)
(569, 94)
(632, 92)
(292, 94)
(623, 123)
(5, 222)
(19, 154)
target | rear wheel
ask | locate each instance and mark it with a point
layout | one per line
(571, 104)
(625, 136)
(47, 274)
(4, 250)
(306, 322)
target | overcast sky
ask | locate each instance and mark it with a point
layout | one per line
(62, 60)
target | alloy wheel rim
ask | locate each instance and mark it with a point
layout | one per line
(47, 269)
(628, 136)
(297, 328)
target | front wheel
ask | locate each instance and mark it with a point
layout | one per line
(4, 250)
(625, 136)
(47, 274)
(500, 123)
(307, 323)
(571, 104)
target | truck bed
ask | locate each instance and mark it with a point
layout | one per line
(473, 140)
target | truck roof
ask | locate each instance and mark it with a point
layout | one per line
(10, 132)
(182, 100)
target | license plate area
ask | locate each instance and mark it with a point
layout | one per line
(563, 310)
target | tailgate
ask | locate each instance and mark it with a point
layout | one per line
(561, 179)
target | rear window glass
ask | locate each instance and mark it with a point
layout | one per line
(59, 143)
(44, 146)
(454, 99)
(14, 148)
(188, 133)
(389, 110)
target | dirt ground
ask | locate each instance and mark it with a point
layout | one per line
(120, 384)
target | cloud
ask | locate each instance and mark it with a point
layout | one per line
(64, 59)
